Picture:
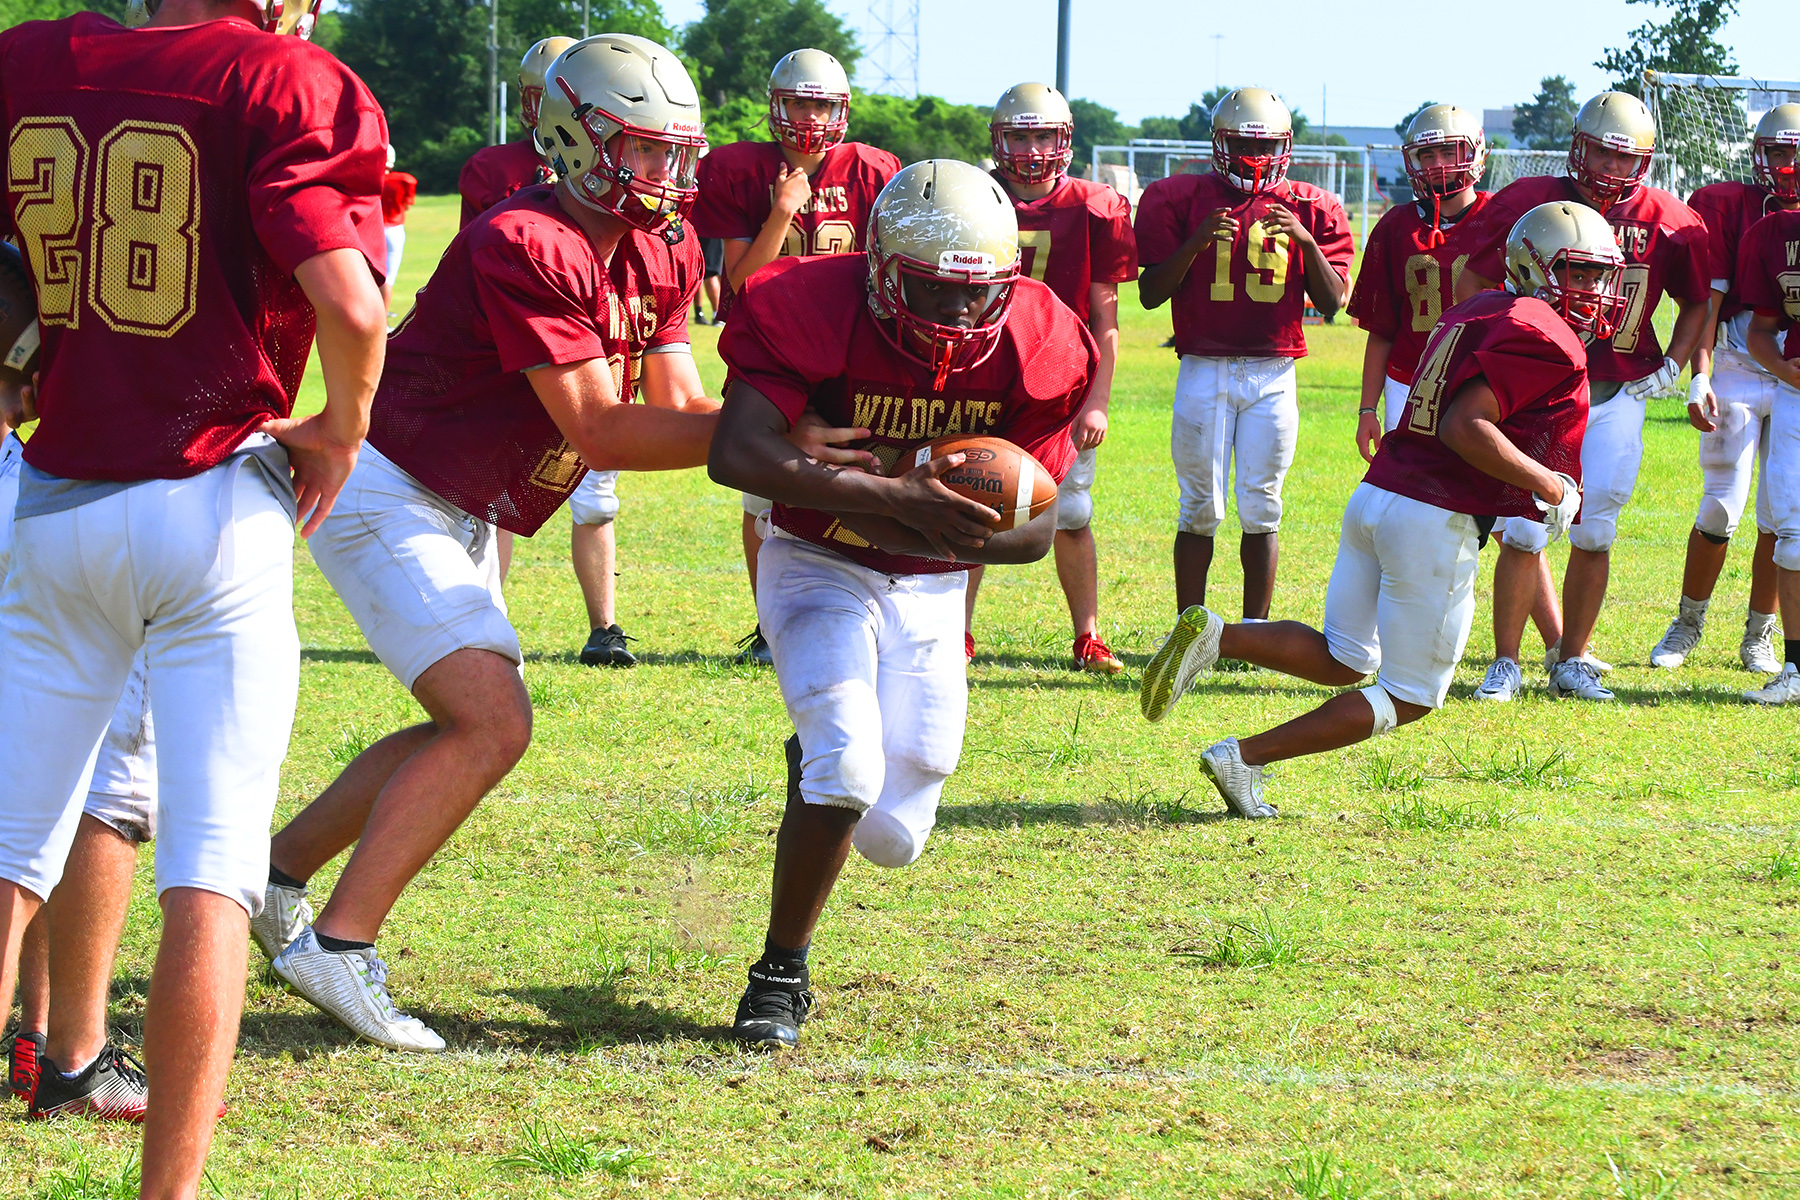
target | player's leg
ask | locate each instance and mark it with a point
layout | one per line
(593, 507)
(754, 647)
(1518, 586)
(25, 1044)
(819, 611)
(503, 540)
(1783, 473)
(1078, 567)
(1200, 445)
(1266, 432)
(1611, 451)
(1758, 649)
(975, 575)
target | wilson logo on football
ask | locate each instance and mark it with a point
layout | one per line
(973, 481)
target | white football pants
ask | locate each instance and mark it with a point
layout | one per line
(871, 668)
(1783, 474)
(1612, 449)
(1738, 448)
(1226, 409)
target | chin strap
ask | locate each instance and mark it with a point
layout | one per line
(1437, 217)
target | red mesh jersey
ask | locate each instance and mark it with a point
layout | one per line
(1534, 363)
(1665, 247)
(737, 193)
(803, 334)
(1246, 296)
(1406, 284)
(496, 172)
(1768, 272)
(520, 288)
(1080, 234)
(1729, 209)
(398, 191)
(165, 183)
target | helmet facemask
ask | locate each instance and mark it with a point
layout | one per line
(1606, 186)
(941, 348)
(808, 137)
(645, 177)
(1595, 311)
(1783, 181)
(1253, 173)
(1025, 160)
(1441, 180)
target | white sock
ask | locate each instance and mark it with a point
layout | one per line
(1696, 607)
(1759, 624)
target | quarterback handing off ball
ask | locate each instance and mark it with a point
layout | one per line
(18, 319)
(994, 472)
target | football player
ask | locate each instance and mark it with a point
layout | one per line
(224, 186)
(398, 192)
(807, 192)
(1239, 251)
(933, 332)
(87, 909)
(1768, 277)
(1665, 247)
(1730, 406)
(1074, 237)
(1492, 426)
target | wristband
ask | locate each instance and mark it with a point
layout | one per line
(1698, 386)
(1370, 411)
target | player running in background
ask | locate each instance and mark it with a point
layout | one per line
(1665, 248)
(1492, 427)
(156, 509)
(1768, 278)
(1239, 250)
(807, 192)
(398, 191)
(1075, 238)
(1731, 407)
(932, 333)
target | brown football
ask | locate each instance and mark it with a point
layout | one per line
(18, 313)
(994, 472)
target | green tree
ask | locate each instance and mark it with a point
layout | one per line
(1403, 122)
(733, 47)
(927, 127)
(14, 12)
(1095, 125)
(1683, 43)
(1547, 120)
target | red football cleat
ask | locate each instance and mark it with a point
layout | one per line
(1092, 654)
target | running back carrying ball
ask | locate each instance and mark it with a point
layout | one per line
(18, 319)
(994, 472)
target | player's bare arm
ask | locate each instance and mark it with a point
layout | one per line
(1703, 405)
(1329, 290)
(1766, 350)
(352, 341)
(1026, 544)
(1089, 429)
(752, 453)
(1469, 283)
(611, 436)
(1374, 382)
(1159, 281)
(669, 379)
(1471, 427)
(745, 258)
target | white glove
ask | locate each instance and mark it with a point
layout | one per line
(1700, 396)
(1559, 516)
(1649, 385)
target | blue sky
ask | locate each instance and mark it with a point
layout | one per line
(1145, 57)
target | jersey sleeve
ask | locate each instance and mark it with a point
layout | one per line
(1520, 364)
(538, 314)
(1483, 237)
(688, 267)
(719, 212)
(1161, 224)
(1112, 246)
(1757, 267)
(1372, 304)
(1330, 228)
(759, 346)
(1690, 263)
(316, 189)
(1054, 377)
(1721, 255)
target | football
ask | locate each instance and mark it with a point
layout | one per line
(994, 472)
(18, 318)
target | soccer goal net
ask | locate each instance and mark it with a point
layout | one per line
(1704, 124)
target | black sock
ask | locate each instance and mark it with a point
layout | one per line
(281, 878)
(1793, 650)
(339, 945)
(774, 953)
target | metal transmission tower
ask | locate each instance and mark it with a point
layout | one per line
(894, 58)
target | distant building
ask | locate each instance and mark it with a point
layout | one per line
(1497, 121)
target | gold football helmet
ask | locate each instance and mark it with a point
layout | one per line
(621, 120)
(537, 60)
(1778, 129)
(942, 221)
(1252, 114)
(1554, 237)
(279, 16)
(1612, 121)
(809, 75)
(1032, 106)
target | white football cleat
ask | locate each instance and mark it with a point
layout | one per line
(1679, 642)
(1189, 651)
(1237, 781)
(285, 915)
(1503, 679)
(352, 986)
(1757, 651)
(1553, 655)
(1578, 679)
(1783, 689)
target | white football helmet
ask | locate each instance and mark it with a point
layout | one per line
(279, 16)
(1563, 234)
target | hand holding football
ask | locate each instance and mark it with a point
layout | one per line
(994, 472)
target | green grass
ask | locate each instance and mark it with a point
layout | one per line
(1454, 1006)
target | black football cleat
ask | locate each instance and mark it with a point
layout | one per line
(24, 1059)
(753, 650)
(774, 1006)
(606, 648)
(113, 1088)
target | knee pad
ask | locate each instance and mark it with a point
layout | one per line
(848, 777)
(1715, 519)
(886, 841)
(1259, 512)
(1386, 719)
(1074, 510)
(1595, 535)
(1717, 539)
(1525, 535)
(1787, 552)
(593, 506)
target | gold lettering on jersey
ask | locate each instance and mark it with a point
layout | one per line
(1789, 282)
(557, 469)
(833, 199)
(47, 172)
(1793, 253)
(922, 418)
(837, 533)
(862, 410)
(1634, 240)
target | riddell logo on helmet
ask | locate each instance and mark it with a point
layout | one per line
(685, 128)
(1431, 135)
(1254, 129)
(1618, 141)
(809, 89)
(1026, 119)
(965, 260)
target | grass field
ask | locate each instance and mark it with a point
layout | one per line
(1525, 951)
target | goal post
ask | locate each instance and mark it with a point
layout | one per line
(1704, 124)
